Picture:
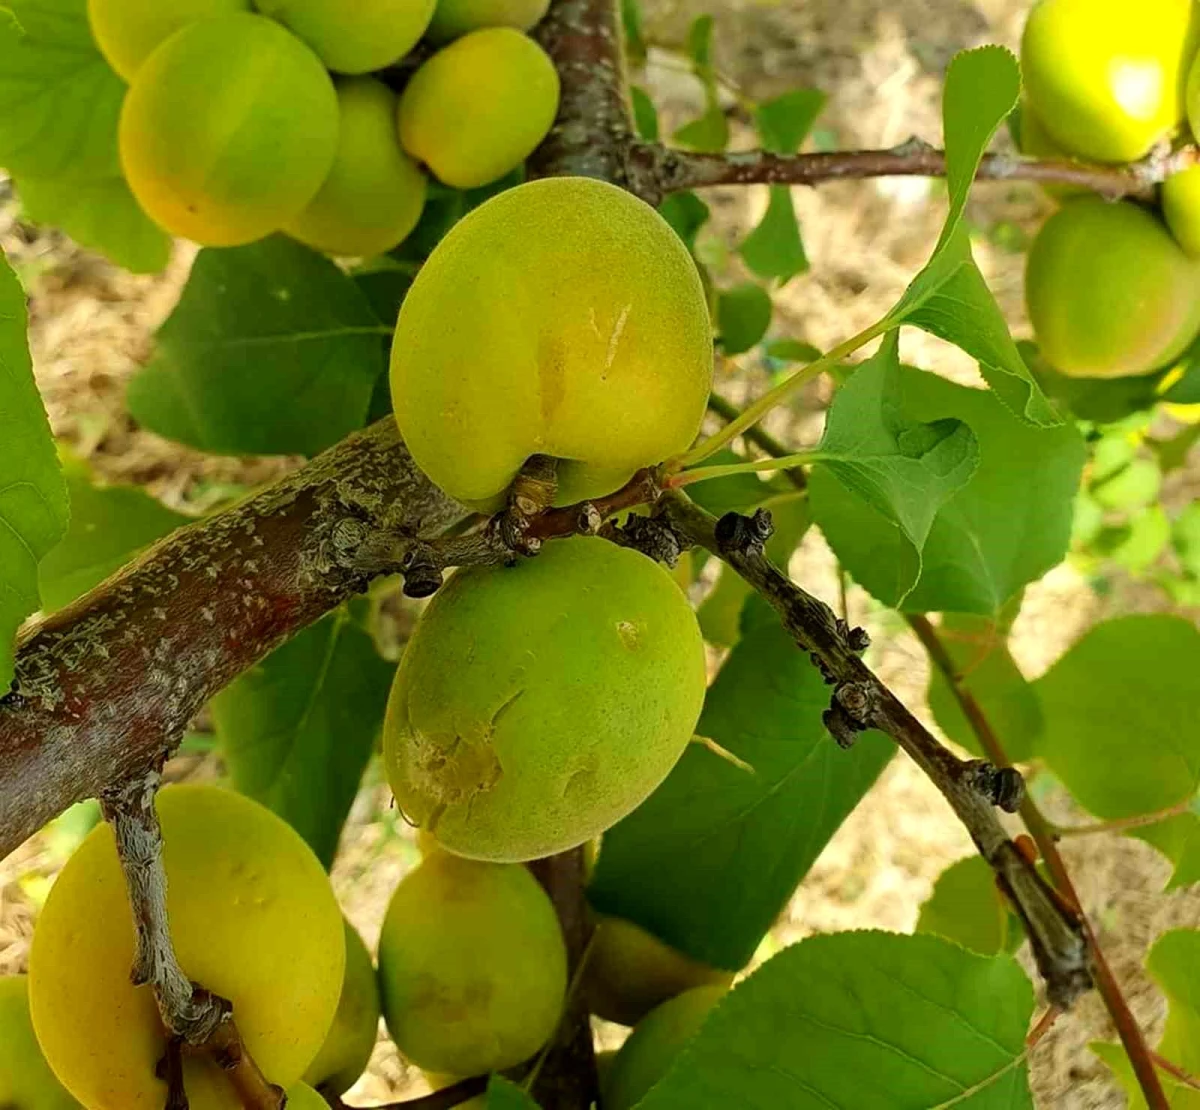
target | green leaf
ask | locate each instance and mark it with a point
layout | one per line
(1137, 543)
(503, 1094)
(980, 652)
(271, 350)
(1177, 838)
(784, 121)
(33, 496)
(1180, 1096)
(1185, 537)
(687, 214)
(1131, 487)
(1009, 525)
(645, 115)
(1173, 453)
(1121, 716)
(385, 283)
(297, 730)
(743, 316)
(100, 215)
(967, 907)
(699, 42)
(710, 860)
(864, 1019)
(109, 525)
(631, 20)
(59, 101)
(1103, 400)
(710, 132)
(774, 248)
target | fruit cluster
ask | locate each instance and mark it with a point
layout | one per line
(239, 123)
(1112, 288)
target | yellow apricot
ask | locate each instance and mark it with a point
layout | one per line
(374, 193)
(1106, 77)
(472, 966)
(26, 1081)
(629, 972)
(126, 31)
(1037, 143)
(479, 107)
(253, 918)
(562, 317)
(354, 36)
(453, 18)
(228, 130)
(351, 1037)
(1181, 208)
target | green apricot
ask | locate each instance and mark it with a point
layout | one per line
(472, 966)
(351, 1038)
(629, 972)
(479, 107)
(374, 193)
(562, 317)
(303, 1097)
(1107, 77)
(654, 1043)
(354, 36)
(1109, 292)
(537, 705)
(1181, 208)
(1037, 142)
(26, 1081)
(454, 18)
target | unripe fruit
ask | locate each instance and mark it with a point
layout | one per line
(562, 317)
(303, 1097)
(629, 972)
(479, 107)
(1181, 208)
(126, 31)
(537, 705)
(253, 919)
(1109, 292)
(26, 1081)
(652, 1047)
(374, 193)
(228, 130)
(1036, 142)
(472, 966)
(351, 1037)
(453, 18)
(354, 36)
(1106, 77)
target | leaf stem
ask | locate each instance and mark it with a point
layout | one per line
(704, 473)
(1120, 824)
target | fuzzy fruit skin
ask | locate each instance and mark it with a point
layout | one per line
(479, 107)
(26, 1081)
(629, 972)
(253, 918)
(472, 966)
(561, 317)
(351, 1037)
(653, 1045)
(354, 36)
(374, 193)
(454, 18)
(1109, 292)
(1107, 77)
(228, 130)
(1181, 208)
(126, 31)
(537, 705)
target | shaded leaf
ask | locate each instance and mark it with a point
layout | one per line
(774, 248)
(631, 20)
(743, 316)
(1178, 838)
(710, 132)
(502, 1094)
(967, 907)
(699, 41)
(687, 214)
(645, 115)
(784, 121)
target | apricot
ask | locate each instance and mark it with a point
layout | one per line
(253, 918)
(26, 1081)
(351, 1038)
(303, 1097)
(478, 108)
(374, 193)
(472, 966)
(562, 317)
(1181, 208)
(354, 36)
(453, 18)
(654, 1043)
(629, 972)
(537, 705)
(1106, 77)
(1109, 292)
(228, 130)
(126, 31)
(1037, 143)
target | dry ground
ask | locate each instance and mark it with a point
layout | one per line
(881, 64)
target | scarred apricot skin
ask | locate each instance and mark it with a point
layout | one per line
(228, 130)
(26, 1081)
(454, 18)
(472, 966)
(253, 918)
(1109, 292)
(537, 705)
(562, 317)
(479, 107)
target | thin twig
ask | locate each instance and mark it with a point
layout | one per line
(1041, 830)
(1175, 1071)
